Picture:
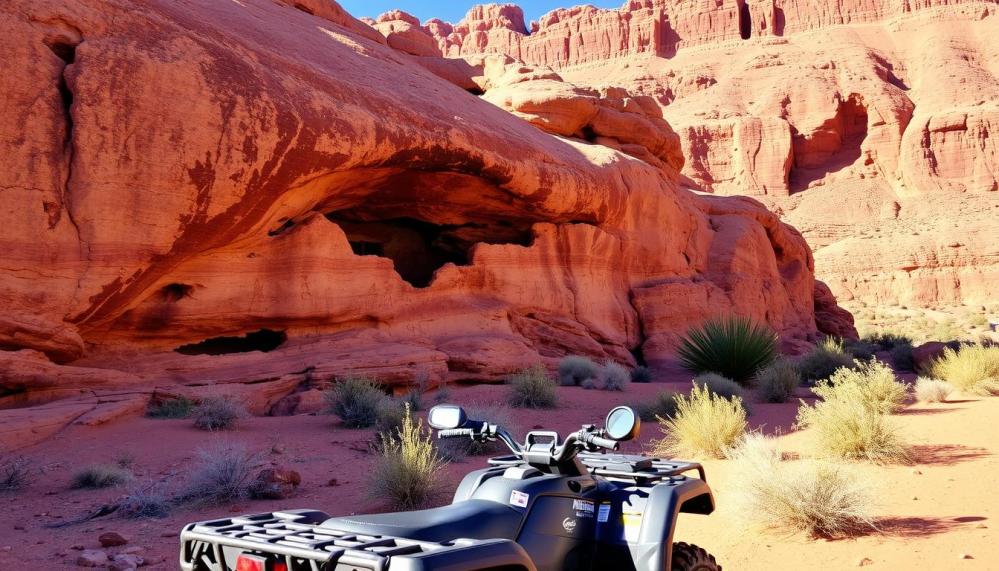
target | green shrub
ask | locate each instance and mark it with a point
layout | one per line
(356, 400)
(144, 503)
(887, 340)
(705, 424)
(932, 390)
(901, 357)
(532, 388)
(218, 413)
(171, 408)
(972, 369)
(820, 499)
(871, 384)
(641, 374)
(663, 405)
(590, 385)
(406, 475)
(719, 385)
(861, 349)
(734, 348)
(223, 473)
(574, 369)
(14, 474)
(778, 381)
(614, 377)
(101, 476)
(824, 360)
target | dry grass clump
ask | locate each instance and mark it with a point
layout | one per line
(532, 388)
(14, 474)
(614, 377)
(171, 408)
(777, 382)
(872, 384)
(218, 413)
(662, 406)
(145, 503)
(719, 385)
(356, 400)
(824, 360)
(575, 369)
(641, 374)
(224, 472)
(820, 499)
(705, 424)
(852, 422)
(972, 369)
(406, 473)
(101, 476)
(932, 390)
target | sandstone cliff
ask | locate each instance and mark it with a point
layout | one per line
(203, 196)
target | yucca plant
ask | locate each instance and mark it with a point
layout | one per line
(734, 347)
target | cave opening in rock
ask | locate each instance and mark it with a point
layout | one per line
(263, 340)
(745, 21)
(175, 292)
(418, 248)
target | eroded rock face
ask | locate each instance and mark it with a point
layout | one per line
(872, 133)
(258, 192)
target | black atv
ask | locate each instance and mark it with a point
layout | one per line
(551, 505)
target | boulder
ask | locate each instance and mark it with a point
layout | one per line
(275, 484)
(112, 539)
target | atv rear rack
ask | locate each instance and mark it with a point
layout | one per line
(641, 469)
(294, 538)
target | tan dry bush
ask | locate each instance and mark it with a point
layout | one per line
(846, 427)
(704, 424)
(972, 369)
(873, 384)
(777, 382)
(406, 474)
(932, 390)
(821, 499)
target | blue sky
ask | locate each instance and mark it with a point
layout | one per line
(454, 10)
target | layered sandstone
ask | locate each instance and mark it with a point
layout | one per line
(866, 124)
(198, 197)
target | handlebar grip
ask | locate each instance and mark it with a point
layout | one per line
(455, 432)
(604, 442)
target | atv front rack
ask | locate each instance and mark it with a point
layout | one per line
(294, 538)
(640, 469)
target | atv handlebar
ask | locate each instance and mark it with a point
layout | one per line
(456, 432)
(601, 442)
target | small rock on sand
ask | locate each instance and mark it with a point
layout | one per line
(92, 558)
(865, 562)
(112, 539)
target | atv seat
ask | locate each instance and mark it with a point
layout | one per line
(473, 519)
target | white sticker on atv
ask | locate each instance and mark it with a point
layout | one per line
(518, 498)
(584, 508)
(603, 514)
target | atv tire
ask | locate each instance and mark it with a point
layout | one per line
(687, 557)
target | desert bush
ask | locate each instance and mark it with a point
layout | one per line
(901, 357)
(14, 474)
(777, 381)
(732, 347)
(861, 349)
(820, 499)
(390, 414)
(414, 396)
(224, 472)
(406, 473)
(614, 377)
(887, 340)
(872, 385)
(822, 361)
(719, 385)
(641, 374)
(574, 369)
(218, 413)
(145, 503)
(663, 405)
(972, 369)
(705, 424)
(532, 388)
(171, 408)
(356, 400)
(932, 390)
(590, 384)
(101, 476)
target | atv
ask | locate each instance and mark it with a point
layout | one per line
(550, 505)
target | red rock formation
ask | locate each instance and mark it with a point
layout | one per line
(249, 192)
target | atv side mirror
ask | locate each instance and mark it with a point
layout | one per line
(446, 417)
(622, 424)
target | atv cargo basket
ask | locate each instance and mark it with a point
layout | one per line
(294, 538)
(640, 469)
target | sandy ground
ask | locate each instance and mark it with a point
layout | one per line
(933, 513)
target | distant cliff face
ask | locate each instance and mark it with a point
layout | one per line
(870, 125)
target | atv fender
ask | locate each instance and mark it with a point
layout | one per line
(490, 554)
(653, 550)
